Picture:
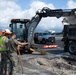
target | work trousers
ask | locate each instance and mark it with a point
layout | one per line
(14, 57)
(3, 61)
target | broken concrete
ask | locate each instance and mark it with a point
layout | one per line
(65, 65)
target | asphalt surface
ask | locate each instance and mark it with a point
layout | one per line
(29, 69)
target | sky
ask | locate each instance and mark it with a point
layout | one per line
(27, 8)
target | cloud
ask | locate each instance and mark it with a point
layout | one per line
(71, 4)
(39, 5)
(10, 9)
(48, 22)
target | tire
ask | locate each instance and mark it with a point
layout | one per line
(43, 41)
(53, 39)
(72, 48)
(66, 45)
(65, 48)
(36, 40)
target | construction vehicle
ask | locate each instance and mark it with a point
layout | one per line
(22, 37)
(15, 25)
(70, 38)
(47, 12)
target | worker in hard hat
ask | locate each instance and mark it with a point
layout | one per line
(3, 46)
(13, 44)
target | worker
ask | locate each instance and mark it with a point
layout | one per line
(20, 32)
(3, 47)
(13, 44)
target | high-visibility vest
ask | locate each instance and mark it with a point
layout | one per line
(2, 43)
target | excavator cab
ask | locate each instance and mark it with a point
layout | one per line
(19, 26)
(22, 29)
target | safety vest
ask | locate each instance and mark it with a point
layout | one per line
(3, 43)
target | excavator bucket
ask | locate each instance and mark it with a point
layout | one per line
(40, 51)
(33, 48)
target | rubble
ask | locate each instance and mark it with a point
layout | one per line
(60, 66)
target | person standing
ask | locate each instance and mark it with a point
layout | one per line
(3, 47)
(13, 44)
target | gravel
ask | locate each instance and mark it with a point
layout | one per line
(59, 66)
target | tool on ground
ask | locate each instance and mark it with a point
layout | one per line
(21, 63)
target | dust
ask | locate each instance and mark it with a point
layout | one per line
(60, 66)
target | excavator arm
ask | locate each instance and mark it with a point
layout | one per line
(46, 12)
(32, 25)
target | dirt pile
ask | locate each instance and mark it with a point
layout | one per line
(60, 66)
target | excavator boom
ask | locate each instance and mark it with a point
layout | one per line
(46, 12)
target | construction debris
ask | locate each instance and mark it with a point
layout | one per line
(60, 66)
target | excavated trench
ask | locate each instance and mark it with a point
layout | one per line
(65, 65)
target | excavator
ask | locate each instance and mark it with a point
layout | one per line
(30, 25)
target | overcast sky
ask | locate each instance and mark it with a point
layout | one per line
(26, 9)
